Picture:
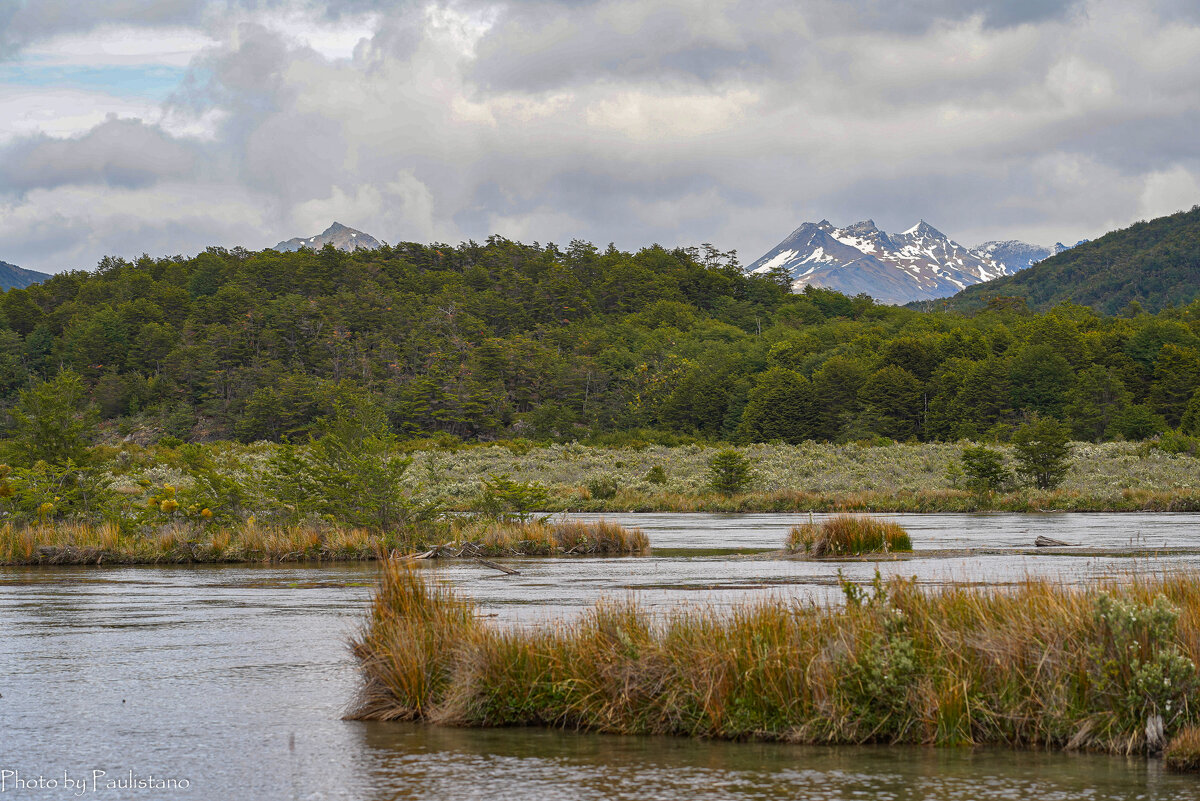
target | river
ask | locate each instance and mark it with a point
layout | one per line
(233, 680)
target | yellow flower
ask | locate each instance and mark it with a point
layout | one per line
(206, 513)
(169, 506)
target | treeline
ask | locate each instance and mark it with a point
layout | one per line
(502, 339)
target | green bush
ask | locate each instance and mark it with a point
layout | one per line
(350, 473)
(53, 421)
(503, 498)
(984, 469)
(656, 475)
(604, 488)
(729, 472)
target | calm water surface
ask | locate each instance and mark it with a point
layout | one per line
(234, 680)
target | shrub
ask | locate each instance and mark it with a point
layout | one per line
(656, 475)
(350, 474)
(604, 488)
(53, 422)
(1174, 442)
(848, 535)
(1042, 446)
(984, 469)
(729, 472)
(502, 497)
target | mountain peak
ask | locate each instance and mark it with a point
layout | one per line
(920, 263)
(923, 228)
(342, 237)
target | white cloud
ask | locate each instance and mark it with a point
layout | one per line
(120, 45)
(1168, 191)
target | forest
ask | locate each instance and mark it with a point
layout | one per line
(1151, 264)
(503, 340)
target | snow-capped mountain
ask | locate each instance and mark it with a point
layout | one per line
(340, 236)
(917, 264)
(1013, 254)
(1059, 247)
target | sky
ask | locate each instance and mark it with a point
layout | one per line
(166, 126)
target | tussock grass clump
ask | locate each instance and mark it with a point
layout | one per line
(848, 535)
(1183, 754)
(407, 649)
(488, 537)
(1036, 665)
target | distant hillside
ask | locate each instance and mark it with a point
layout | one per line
(13, 276)
(340, 236)
(1155, 263)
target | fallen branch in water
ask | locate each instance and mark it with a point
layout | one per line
(495, 566)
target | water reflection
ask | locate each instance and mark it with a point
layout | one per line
(419, 762)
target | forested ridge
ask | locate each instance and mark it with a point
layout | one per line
(502, 340)
(1153, 264)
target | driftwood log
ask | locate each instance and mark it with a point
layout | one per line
(495, 566)
(1046, 542)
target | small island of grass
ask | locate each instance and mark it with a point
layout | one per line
(848, 535)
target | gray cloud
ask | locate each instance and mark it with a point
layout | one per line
(674, 121)
(122, 153)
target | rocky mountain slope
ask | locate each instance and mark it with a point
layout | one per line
(340, 236)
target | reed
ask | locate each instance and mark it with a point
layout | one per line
(1183, 754)
(1037, 665)
(848, 535)
(488, 537)
(251, 541)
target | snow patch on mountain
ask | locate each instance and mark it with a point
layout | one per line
(340, 236)
(917, 264)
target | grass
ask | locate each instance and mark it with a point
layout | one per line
(848, 535)
(82, 543)
(1183, 753)
(1038, 665)
(817, 477)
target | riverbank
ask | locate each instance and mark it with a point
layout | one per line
(1037, 665)
(883, 502)
(85, 544)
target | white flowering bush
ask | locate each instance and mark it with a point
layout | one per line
(1140, 670)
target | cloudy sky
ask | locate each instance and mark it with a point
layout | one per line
(164, 126)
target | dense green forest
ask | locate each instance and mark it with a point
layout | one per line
(502, 340)
(1154, 265)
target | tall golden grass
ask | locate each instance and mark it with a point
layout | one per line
(1036, 665)
(85, 543)
(848, 535)
(1183, 754)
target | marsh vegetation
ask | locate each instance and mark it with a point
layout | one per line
(848, 535)
(1038, 665)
